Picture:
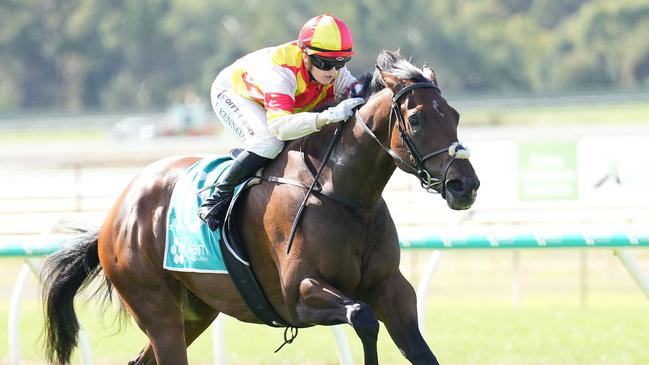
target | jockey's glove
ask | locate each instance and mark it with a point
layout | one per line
(340, 112)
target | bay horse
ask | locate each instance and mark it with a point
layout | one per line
(344, 263)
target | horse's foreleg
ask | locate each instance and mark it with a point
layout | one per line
(320, 303)
(395, 304)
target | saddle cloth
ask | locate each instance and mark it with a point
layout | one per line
(190, 245)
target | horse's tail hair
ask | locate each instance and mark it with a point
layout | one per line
(64, 274)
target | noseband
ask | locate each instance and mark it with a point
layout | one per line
(456, 150)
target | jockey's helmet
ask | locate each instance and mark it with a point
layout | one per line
(326, 36)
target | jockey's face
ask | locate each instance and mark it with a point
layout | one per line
(322, 77)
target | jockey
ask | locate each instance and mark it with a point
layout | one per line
(267, 97)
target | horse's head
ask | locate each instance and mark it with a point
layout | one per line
(423, 130)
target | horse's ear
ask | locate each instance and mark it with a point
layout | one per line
(389, 80)
(429, 73)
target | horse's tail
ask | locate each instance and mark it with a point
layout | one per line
(64, 273)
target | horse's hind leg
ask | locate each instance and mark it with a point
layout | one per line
(198, 317)
(320, 303)
(155, 301)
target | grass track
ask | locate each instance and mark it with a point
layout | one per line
(614, 332)
(470, 319)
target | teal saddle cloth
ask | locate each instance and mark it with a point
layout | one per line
(190, 245)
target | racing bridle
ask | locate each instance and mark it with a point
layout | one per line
(456, 150)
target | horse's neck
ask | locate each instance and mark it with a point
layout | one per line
(360, 169)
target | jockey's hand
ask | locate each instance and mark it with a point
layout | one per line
(340, 112)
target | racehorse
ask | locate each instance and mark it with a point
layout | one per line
(344, 263)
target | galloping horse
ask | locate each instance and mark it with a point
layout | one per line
(344, 263)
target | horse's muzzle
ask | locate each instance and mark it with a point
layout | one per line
(461, 192)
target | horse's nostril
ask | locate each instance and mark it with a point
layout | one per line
(455, 185)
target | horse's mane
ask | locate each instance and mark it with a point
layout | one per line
(391, 62)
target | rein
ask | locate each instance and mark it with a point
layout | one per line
(427, 181)
(315, 186)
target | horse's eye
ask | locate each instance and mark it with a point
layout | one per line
(414, 120)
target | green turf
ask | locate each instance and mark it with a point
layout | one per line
(611, 332)
(469, 319)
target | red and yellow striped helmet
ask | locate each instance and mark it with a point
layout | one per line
(326, 36)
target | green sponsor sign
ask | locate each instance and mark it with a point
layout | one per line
(547, 171)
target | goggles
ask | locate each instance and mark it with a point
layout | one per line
(326, 64)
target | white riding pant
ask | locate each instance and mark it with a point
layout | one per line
(243, 117)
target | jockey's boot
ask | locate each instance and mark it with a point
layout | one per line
(213, 209)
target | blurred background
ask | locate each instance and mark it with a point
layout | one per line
(554, 103)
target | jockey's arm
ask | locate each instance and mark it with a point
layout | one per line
(292, 126)
(288, 126)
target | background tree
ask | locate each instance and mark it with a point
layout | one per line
(76, 55)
